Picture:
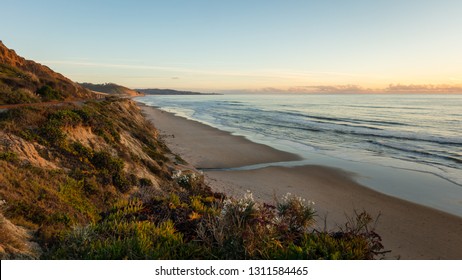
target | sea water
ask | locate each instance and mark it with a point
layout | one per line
(408, 146)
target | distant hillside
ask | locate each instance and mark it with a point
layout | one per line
(171, 92)
(25, 81)
(111, 88)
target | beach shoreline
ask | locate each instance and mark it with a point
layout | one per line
(411, 231)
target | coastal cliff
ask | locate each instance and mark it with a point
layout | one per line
(112, 89)
(85, 178)
(26, 81)
(62, 166)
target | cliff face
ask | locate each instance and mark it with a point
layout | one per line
(62, 166)
(10, 57)
(112, 89)
(25, 81)
(67, 164)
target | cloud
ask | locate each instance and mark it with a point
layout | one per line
(392, 88)
(118, 66)
(254, 78)
(316, 89)
(329, 89)
(424, 88)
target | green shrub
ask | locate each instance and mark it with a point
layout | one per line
(65, 117)
(121, 182)
(103, 160)
(27, 134)
(111, 170)
(73, 194)
(191, 181)
(106, 129)
(188, 227)
(8, 156)
(85, 115)
(47, 93)
(295, 214)
(145, 182)
(83, 153)
(19, 96)
(28, 211)
(119, 236)
(52, 132)
(90, 185)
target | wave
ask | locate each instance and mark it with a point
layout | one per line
(358, 121)
(384, 107)
(367, 132)
(380, 125)
(415, 151)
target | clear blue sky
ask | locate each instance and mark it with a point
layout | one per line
(226, 45)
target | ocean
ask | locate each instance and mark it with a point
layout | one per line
(408, 146)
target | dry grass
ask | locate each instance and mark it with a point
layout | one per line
(53, 182)
(15, 242)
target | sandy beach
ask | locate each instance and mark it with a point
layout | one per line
(411, 231)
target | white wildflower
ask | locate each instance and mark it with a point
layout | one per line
(226, 206)
(290, 198)
(248, 196)
(176, 174)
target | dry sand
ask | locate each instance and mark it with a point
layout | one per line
(411, 231)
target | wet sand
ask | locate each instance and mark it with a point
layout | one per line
(411, 231)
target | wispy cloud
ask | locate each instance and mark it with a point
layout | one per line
(316, 89)
(424, 88)
(118, 66)
(287, 74)
(392, 88)
(278, 80)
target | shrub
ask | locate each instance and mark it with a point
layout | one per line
(90, 185)
(19, 96)
(106, 129)
(247, 229)
(183, 226)
(353, 242)
(104, 161)
(47, 93)
(191, 181)
(72, 193)
(83, 153)
(120, 181)
(111, 170)
(119, 236)
(295, 214)
(52, 133)
(145, 182)
(65, 117)
(85, 115)
(8, 156)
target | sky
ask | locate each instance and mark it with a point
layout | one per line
(228, 46)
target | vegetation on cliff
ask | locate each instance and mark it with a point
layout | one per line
(25, 81)
(62, 166)
(92, 180)
(111, 88)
